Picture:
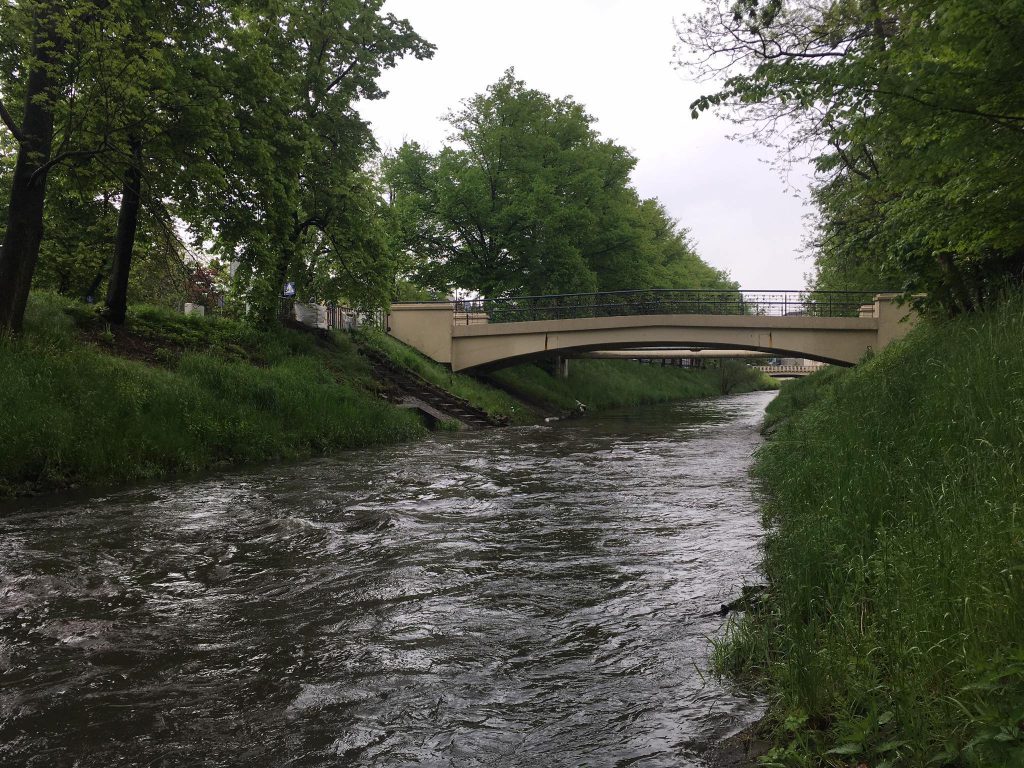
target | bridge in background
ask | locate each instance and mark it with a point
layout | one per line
(787, 371)
(831, 327)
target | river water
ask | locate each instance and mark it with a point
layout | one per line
(537, 596)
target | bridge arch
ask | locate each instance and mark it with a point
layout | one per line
(840, 341)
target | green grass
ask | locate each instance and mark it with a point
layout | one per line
(602, 384)
(493, 401)
(599, 384)
(73, 414)
(893, 631)
(797, 394)
(82, 404)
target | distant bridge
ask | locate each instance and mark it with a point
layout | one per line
(836, 327)
(787, 371)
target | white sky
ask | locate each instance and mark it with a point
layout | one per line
(614, 57)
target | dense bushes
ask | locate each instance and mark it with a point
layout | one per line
(892, 634)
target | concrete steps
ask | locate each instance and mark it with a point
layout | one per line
(409, 390)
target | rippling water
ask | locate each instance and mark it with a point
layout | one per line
(538, 596)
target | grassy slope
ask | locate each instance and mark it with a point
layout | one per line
(894, 629)
(489, 399)
(204, 392)
(599, 384)
(72, 413)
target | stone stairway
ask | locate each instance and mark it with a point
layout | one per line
(409, 390)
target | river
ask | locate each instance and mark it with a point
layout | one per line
(537, 596)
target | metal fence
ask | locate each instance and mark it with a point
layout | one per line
(663, 302)
(336, 317)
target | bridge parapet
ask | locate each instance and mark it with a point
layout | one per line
(665, 302)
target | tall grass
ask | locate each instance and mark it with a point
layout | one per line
(602, 384)
(894, 629)
(598, 384)
(73, 414)
(798, 394)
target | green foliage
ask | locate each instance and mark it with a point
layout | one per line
(891, 635)
(734, 376)
(246, 138)
(603, 384)
(914, 112)
(73, 414)
(304, 209)
(531, 200)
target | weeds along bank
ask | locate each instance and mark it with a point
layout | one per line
(172, 394)
(893, 630)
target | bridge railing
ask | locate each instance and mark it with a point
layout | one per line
(662, 302)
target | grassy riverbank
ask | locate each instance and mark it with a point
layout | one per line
(82, 404)
(893, 627)
(603, 384)
(175, 394)
(598, 384)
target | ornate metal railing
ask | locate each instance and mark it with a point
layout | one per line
(663, 302)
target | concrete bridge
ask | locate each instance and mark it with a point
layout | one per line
(831, 327)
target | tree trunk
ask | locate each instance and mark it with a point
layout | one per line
(960, 297)
(124, 239)
(24, 233)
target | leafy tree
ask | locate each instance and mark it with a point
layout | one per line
(234, 118)
(111, 99)
(914, 112)
(530, 199)
(674, 260)
(39, 32)
(300, 205)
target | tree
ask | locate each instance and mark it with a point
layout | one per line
(530, 199)
(674, 258)
(301, 205)
(41, 28)
(232, 118)
(914, 112)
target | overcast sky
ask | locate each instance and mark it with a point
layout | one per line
(614, 57)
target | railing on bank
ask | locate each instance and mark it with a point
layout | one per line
(663, 302)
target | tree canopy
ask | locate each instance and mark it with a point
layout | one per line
(232, 121)
(914, 114)
(529, 199)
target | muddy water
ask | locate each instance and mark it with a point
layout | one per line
(520, 597)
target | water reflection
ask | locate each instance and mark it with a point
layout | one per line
(539, 594)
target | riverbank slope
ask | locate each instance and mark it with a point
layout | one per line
(85, 404)
(892, 631)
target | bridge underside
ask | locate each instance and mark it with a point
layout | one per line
(836, 340)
